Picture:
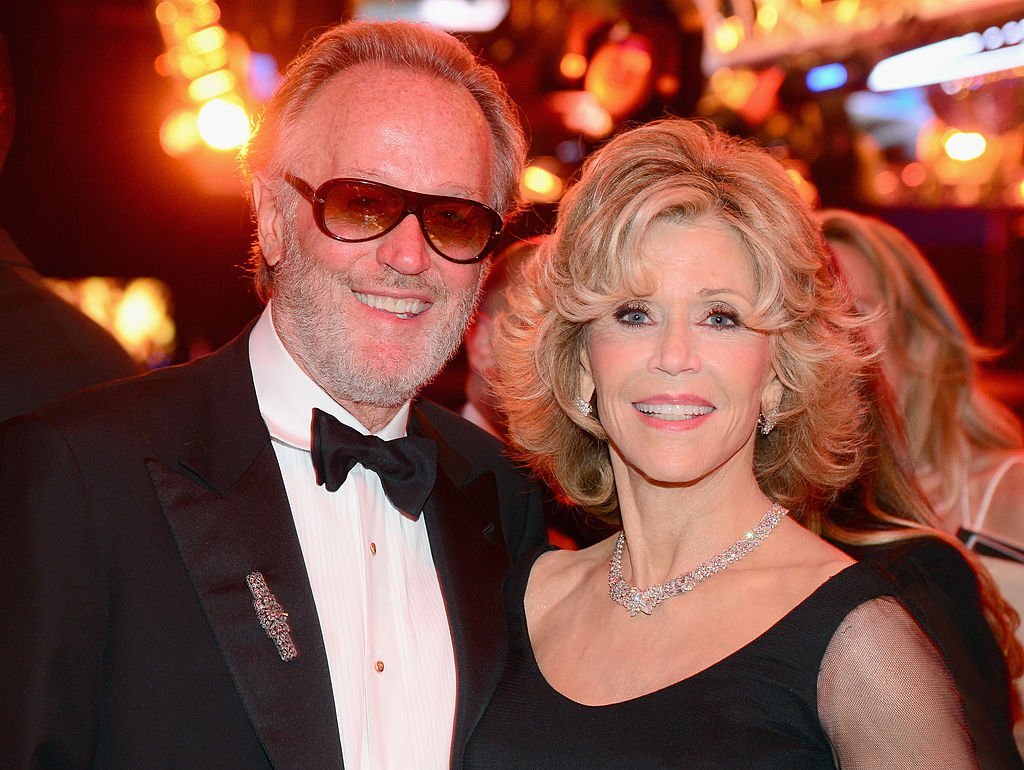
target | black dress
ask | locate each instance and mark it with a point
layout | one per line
(846, 676)
(941, 591)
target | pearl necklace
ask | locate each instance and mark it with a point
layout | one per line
(644, 600)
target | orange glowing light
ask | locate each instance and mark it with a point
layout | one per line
(964, 145)
(767, 17)
(886, 183)
(581, 112)
(97, 299)
(223, 125)
(846, 11)
(142, 315)
(166, 12)
(539, 185)
(668, 85)
(206, 40)
(162, 65)
(136, 313)
(733, 87)
(182, 27)
(206, 13)
(211, 85)
(191, 66)
(573, 65)
(914, 174)
(729, 34)
(619, 75)
(179, 133)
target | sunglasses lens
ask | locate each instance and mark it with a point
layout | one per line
(458, 229)
(359, 211)
(356, 210)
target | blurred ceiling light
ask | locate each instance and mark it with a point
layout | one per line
(733, 87)
(667, 85)
(1016, 193)
(767, 17)
(205, 40)
(464, 15)
(914, 174)
(886, 184)
(166, 12)
(573, 65)
(206, 13)
(182, 27)
(540, 185)
(179, 133)
(189, 65)
(142, 315)
(619, 75)
(957, 58)
(211, 85)
(964, 145)
(451, 15)
(582, 112)
(162, 65)
(846, 11)
(223, 125)
(729, 34)
(826, 77)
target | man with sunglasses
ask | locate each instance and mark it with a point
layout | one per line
(276, 556)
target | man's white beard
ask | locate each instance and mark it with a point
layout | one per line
(321, 337)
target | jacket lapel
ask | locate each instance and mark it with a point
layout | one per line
(463, 526)
(226, 505)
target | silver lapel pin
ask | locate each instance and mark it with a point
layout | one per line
(272, 616)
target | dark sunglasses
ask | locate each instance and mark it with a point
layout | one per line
(357, 210)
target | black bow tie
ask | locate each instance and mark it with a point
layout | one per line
(407, 466)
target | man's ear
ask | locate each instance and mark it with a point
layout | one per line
(269, 221)
(479, 344)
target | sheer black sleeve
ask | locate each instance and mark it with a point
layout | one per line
(885, 697)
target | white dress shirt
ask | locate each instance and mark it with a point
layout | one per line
(377, 594)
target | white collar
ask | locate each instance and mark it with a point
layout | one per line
(287, 395)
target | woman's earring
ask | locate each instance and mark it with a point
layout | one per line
(583, 407)
(766, 422)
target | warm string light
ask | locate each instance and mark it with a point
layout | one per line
(198, 56)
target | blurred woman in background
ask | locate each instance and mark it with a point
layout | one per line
(967, 448)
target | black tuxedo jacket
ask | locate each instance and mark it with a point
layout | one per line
(130, 516)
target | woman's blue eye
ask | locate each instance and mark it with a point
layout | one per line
(632, 316)
(721, 319)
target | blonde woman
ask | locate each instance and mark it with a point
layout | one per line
(968, 448)
(681, 360)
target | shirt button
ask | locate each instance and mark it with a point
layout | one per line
(379, 666)
(373, 548)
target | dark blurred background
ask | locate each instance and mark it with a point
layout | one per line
(89, 189)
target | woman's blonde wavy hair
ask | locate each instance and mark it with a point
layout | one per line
(686, 172)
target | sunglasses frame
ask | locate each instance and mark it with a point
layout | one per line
(414, 203)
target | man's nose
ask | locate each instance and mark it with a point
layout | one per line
(405, 249)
